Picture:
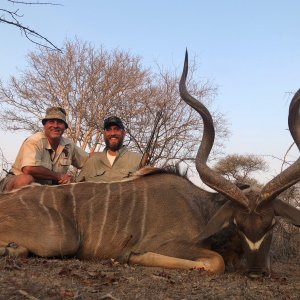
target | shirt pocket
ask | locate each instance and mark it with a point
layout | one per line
(125, 172)
(100, 172)
(65, 161)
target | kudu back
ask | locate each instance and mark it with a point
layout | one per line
(159, 219)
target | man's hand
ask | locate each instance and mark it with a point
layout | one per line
(65, 178)
(40, 172)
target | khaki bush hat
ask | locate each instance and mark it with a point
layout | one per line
(55, 113)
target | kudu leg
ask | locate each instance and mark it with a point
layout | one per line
(13, 250)
(210, 261)
(49, 234)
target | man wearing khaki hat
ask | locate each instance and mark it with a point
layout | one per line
(45, 156)
(116, 162)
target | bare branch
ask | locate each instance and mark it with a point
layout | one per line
(4, 165)
(34, 3)
(284, 162)
(29, 33)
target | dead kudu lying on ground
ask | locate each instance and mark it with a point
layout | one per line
(156, 220)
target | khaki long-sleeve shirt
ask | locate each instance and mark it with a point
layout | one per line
(98, 167)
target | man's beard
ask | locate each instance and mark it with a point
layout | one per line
(114, 147)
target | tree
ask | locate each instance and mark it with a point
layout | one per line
(12, 17)
(240, 168)
(92, 84)
(4, 165)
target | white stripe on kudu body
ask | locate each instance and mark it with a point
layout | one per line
(118, 222)
(144, 212)
(103, 221)
(46, 209)
(23, 202)
(132, 204)
(90, 216)
(72, 187)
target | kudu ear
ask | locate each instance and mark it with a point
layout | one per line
(219, 221)
(287, 211)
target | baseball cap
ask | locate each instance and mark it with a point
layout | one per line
(113, 120)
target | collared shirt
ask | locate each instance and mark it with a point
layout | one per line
(98, 167)
(37, 151)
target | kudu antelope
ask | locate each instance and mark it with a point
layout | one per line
(160, 219)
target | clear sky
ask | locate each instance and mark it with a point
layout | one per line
(250, 49)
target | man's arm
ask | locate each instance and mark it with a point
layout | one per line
(40, 172)
(79, 157)
(92, 165)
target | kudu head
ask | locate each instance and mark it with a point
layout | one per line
(251, 210)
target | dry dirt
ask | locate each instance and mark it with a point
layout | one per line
(38, 278)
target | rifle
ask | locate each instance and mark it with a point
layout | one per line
(146, 155)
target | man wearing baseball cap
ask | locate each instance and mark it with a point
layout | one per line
(45, 157)
(116, 162)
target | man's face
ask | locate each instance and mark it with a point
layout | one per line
(54, 128)
(113, 137)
